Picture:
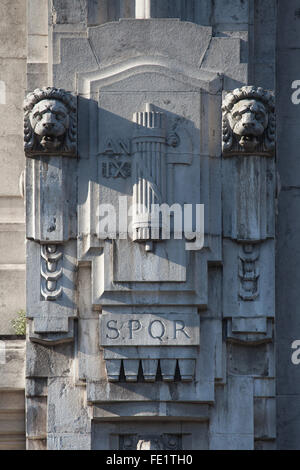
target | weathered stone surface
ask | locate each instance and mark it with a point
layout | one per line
(151, 349)
(36, 417)
(164, 36)
(37, 12)
(243, 360)
(265, 418)
(12, 281)
(287, 417)
(231, 11)
(12, 420)
(64, 402)
(36, 444)
(69, 441)
(13, 41)
(69, 11)
(13, 161)
(43, 361)
(265, 445)
(154, 409)
(12, 235)
(37, 75)
(90, 364)
(12, 364)
(225, 54)
(231, 425)
(36, 387)
(109, 435)
(37, 49)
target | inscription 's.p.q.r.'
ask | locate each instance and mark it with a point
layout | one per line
(148, 330)
(156, 328)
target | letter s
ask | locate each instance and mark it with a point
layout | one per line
(112, 328)
(295, 356)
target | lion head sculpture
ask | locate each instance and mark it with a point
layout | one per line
(50, 122)
(248, 121)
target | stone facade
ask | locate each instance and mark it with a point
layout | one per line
(136, 340)
(130, 331)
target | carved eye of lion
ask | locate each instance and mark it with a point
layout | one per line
(237, 116)
(37, 116)
(60, 116)
(259, 116)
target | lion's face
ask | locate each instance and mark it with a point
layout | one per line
(49, 120)
(248, 119)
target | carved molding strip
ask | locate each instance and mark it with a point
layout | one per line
(249, 272)
(150, 369)
(51, 271)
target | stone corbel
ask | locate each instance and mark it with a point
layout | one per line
(249, 212)
(50, 145)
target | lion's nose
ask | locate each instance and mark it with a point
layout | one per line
(248, 124)
(48, 125)
(248, 120)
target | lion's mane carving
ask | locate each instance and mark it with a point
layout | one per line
(248, 121)
(50, 122)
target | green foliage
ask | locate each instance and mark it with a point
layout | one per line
(19, 324)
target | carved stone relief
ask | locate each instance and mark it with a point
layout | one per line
(150, 442)
(51, 271)
(149, 174)
(249, 218)
(248, 121)
(149, 130)
(50, 122)
(50, 137)
(249, 272)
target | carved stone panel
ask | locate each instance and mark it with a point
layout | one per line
(161, 148)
